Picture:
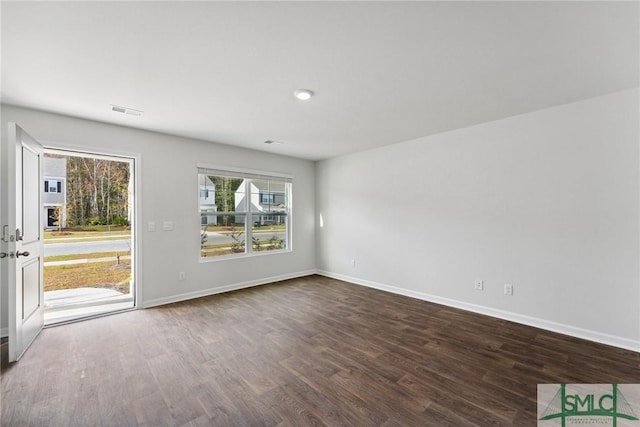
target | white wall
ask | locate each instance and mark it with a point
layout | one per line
(169, 192)
(546, 201)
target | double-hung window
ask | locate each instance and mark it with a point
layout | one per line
(243, 213)
(267, 198)
(52, 186)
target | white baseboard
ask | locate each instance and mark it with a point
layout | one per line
(222, 289)
(586, 334)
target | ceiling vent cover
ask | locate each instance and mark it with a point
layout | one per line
(126, 110)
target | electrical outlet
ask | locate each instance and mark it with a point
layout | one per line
(478, 285)
(181, 276)
(508, 289)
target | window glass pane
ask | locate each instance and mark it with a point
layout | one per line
(225, 193)
(223, 236)
(268, 195)
(269, 232)
(239, 194)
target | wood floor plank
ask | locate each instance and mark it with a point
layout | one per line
(219, 407)
(290, 409)
(151, 411)
(246, 401)
(456, 411)
(312, 351)
(391, 404)
(352, 406)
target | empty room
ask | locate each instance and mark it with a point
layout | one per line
(320, 213)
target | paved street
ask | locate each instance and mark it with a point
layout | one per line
(52, 249)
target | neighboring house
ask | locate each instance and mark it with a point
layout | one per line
(267, 197)
(54, 171)
(207, 200)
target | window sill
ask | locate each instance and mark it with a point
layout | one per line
(243, 256)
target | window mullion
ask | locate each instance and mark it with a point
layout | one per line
(248, 229)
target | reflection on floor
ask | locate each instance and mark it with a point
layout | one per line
(70, 304)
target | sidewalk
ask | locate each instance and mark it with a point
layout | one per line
(113, 237)
(85, 260)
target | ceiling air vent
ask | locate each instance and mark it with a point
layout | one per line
(126, 110)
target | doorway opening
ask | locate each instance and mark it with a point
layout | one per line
(88, 217)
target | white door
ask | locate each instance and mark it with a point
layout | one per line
(23, 236)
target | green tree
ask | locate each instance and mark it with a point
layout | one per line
(225, 189)
(97, 191)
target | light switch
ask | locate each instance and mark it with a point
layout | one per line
(151, 226)
(167, 225)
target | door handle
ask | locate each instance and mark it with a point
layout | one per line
(3, 255)
(23, 253)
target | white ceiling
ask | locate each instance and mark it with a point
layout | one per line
(383, 72)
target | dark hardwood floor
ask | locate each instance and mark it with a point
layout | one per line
(310, 351)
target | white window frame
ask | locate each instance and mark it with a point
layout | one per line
(247, 175)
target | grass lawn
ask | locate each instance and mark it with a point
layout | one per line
(92, 275)
(216, 250)
(225, 249)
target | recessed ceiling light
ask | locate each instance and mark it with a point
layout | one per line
(126, 110)
(303, 94)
